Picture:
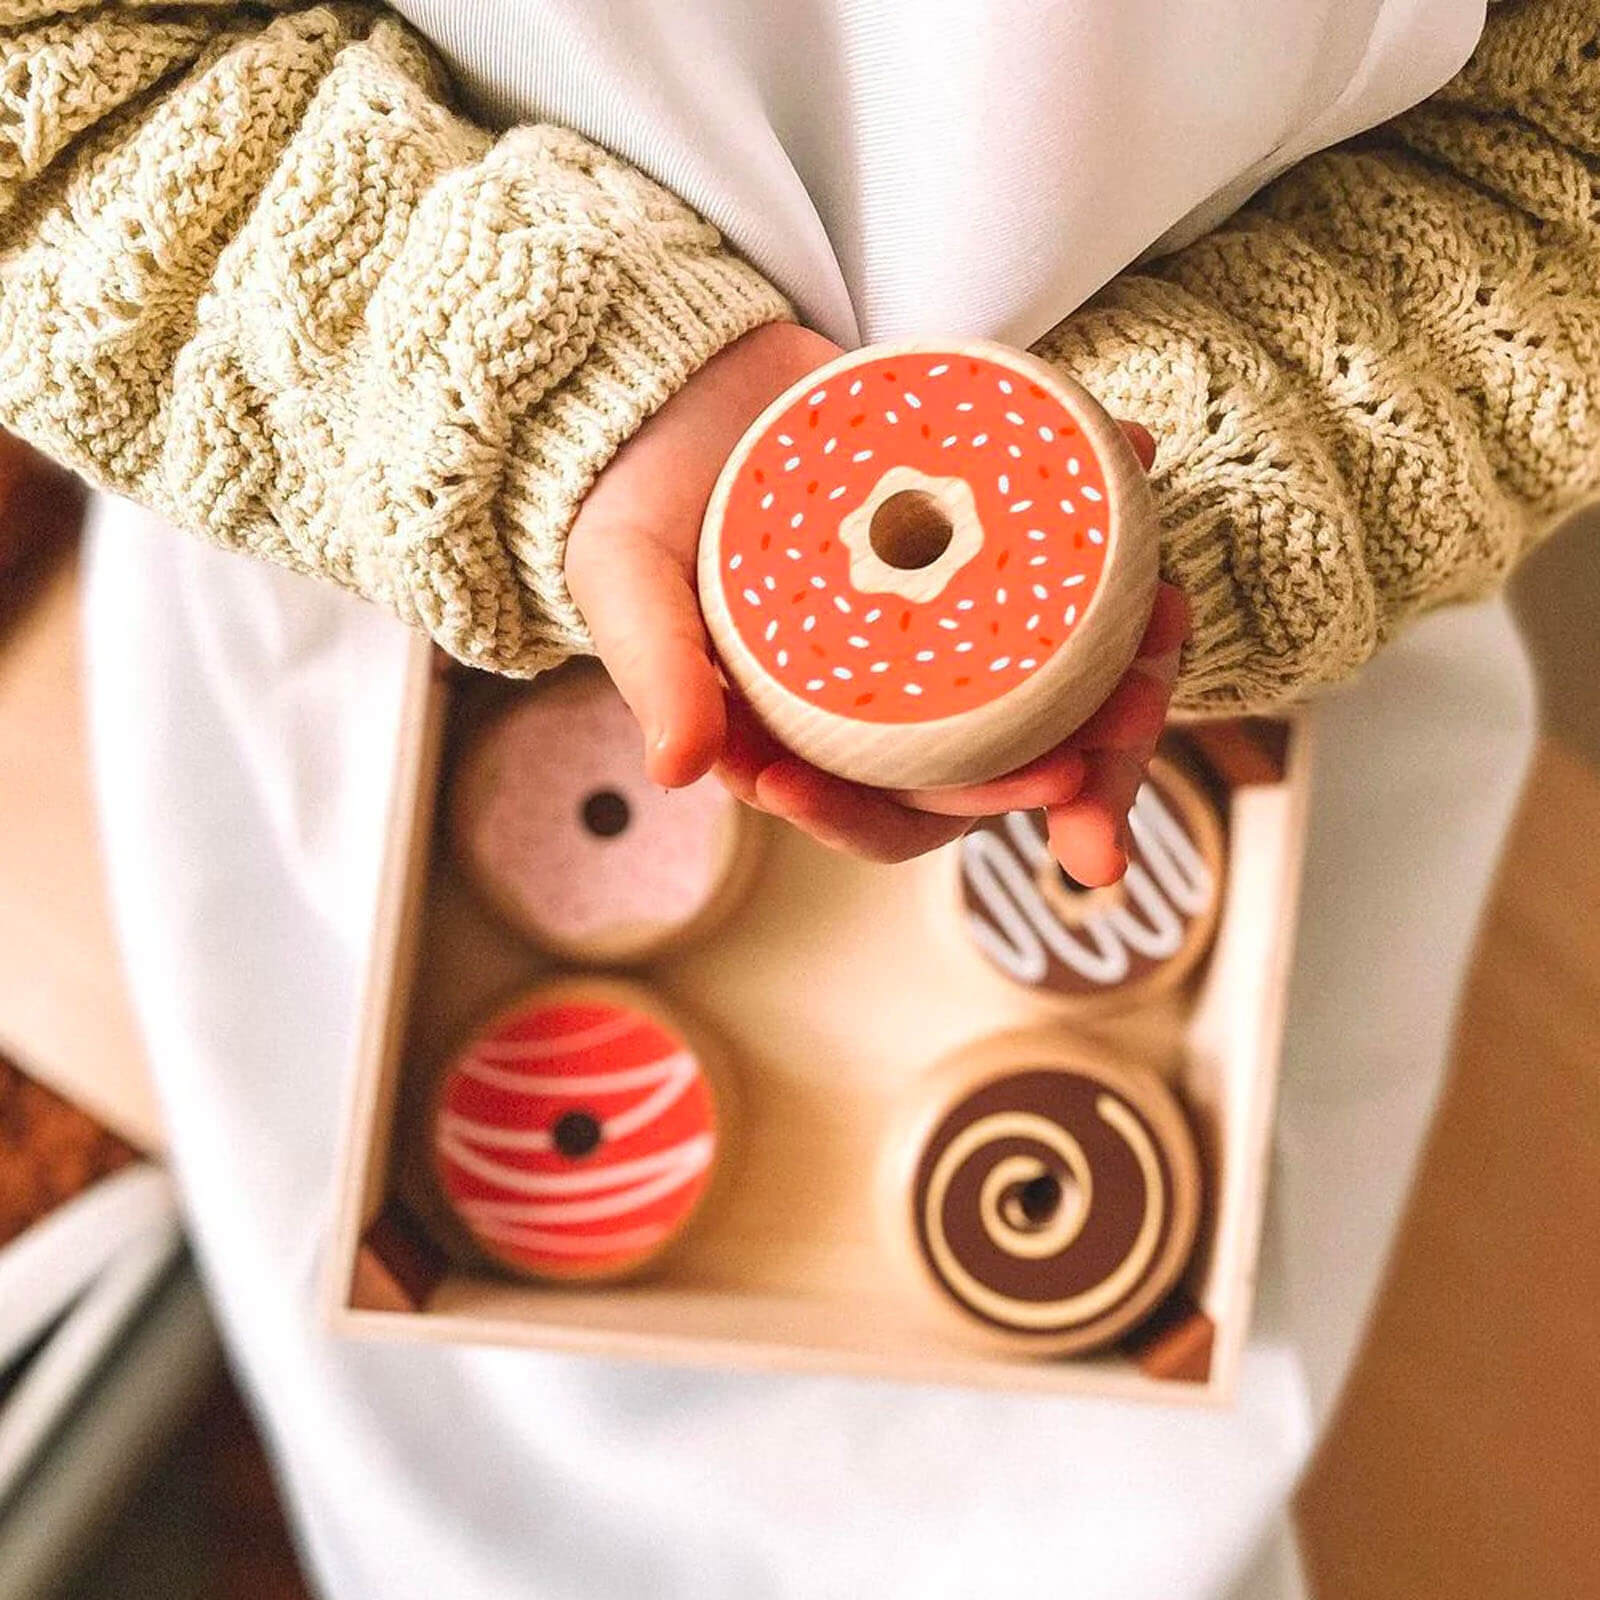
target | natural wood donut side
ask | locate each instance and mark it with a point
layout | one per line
(1004, 732)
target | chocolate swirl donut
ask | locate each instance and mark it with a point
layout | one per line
(1109, 946)
(1056, 1203)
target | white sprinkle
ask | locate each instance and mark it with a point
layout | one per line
(769, 583)
(833, 494)
(1000, 663)
(818, 398)
(1040, 593)
(1022, 505)
(784, 439)
(1096, 536)
(1005, 484)
(1047, 434)
(979, 441)
(843, 604)
(965, 605)
(1070, 615)
(735, 562)
(797, 519)
(791, 463)
(1072, 465)
(924, 655)
(1014, 451)
(855, 388)
(792, 553)
(1005, 386)
(964, 405)
(819, 583)
(940, 370)
(1038, 535)
(912, 401)
(947, 441)
(813, 683)
(862, 455)
(913, 688)
(858, 641)
(873, 614)
(808, 625)
(1014, 418)
(1073, 581)
(830, 447)
(1038, 561)
(752, 597)
(999, 597)
(1031, 623)
(879, 666)
(1027, 664)
(772, 631)
(963, 647)
(766, 501)
(1092, 494)
(890, 416)
(1068, 507)
(949, 623)
(783, 658)
(843, 672)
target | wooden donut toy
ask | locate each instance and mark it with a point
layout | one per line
(1099, 947)
(1048, 1197)
(926, 565)
(576, 1134)
(558, 829)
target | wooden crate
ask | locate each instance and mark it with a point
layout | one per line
(836, 983)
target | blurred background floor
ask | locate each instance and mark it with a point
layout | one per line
(1465, 1459)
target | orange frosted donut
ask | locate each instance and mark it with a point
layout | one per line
(925, 566)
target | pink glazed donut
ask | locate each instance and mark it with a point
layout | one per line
(560, 832)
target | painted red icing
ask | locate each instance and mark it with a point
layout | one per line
(1040, 494)
(527, 1093)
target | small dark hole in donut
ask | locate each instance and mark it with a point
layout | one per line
(605, 813)
(576, 1133)
(1040, 1198)
(910, 530)
(1069, 883)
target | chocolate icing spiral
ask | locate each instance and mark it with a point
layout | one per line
(1047, 1205)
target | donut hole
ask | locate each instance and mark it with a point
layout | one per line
(605, 813)
(910, 530)
(576, 1134)
(1069, 883)
(1039, 1199)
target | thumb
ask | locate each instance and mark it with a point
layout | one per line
(637, 595)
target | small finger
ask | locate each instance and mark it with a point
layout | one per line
(1089, 835)
(643, 614)
(1143, 442)
(1053, 779)
(846, 816)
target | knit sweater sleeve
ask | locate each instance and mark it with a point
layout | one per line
(1379, 384)
(255, 273)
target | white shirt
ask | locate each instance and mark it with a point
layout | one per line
(961, 167)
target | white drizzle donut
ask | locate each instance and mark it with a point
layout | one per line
(1110, 946)
(576, 1134)
(560, 831)
(927, 565)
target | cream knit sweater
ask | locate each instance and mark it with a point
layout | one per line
(254, 272)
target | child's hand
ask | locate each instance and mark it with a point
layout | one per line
(631, 568)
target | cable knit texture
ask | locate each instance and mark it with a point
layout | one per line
(254, 272)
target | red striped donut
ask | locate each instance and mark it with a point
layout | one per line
(928, 565)
(575, 1136)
